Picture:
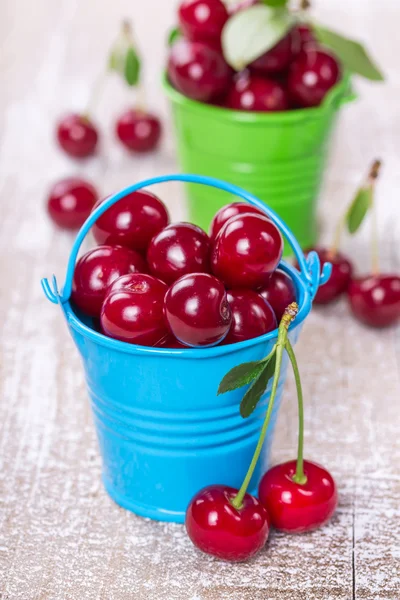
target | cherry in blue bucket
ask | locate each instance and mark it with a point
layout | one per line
(228, 211)
(254, 93)
(375, 300)
(202, 20)
(279, 292)
(138, 130)
(77, 135)
(70, 202)
(251, 316)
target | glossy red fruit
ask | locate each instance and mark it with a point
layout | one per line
(216, 527)
(375, 300)
(138, 131)
(340, 278)
(169, 341)
(132, 310)
(296, 508)
(278, 58)
(228, 211)
(197, 310)
(251, 316)
(246, 251)
(70, 202)
(197, 71)
(311, 75)
(304, 35)
(179, 249)
(254, 93)
(279, 292)
(132, 221)
(96, 270)
(202, 20)
(77, 135)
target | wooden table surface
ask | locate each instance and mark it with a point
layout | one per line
(61, 537)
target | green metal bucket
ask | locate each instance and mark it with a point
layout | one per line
(278, 157)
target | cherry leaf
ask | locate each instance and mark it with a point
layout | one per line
(359, 208)
(131, 67)
(240, 376)
(257, 388)
(174, 35)
(252, 31)
(275, 3)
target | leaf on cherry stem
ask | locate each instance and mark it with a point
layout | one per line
(275, 3)
(174, 35)
(240, 376)
(359, 208)
(131, 67)
(258, 387)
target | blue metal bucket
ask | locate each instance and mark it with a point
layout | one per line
(162, 430)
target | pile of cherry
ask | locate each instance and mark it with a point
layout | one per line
(171, 285)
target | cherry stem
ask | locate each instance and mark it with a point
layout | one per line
(372, 177)
(305, 5)
(336, 238)
(288, 316)
(299, 476)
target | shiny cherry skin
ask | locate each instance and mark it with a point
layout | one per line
(70, 202)
(253, 93)
(279, 292)
(197, 70)
(251, 316)
(132, 310)
(131, 222)
(77, 135)
(169, 341)
(304, 35)
(179, 249)
(246, 251)
(96, 270)
(197, 311)
(278, 58)
(202, 20)
(311, 75)
(216, 527)
(340, 278)
(375, 300)
(296, 508)
(228, 211)
(138, 130)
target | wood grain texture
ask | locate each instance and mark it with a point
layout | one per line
(61, 537)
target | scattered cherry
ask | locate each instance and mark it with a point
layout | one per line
(278, 58)
(77, 135)
(251, 316)
(375, 300)
(279, 292)
(311, 75)
(246, 251)
(70, 202)
(305, 36)
(138, 130)
(132, 221)
(228, 211)
(197, 310)
(217, 527)
(295, 507)
(197, 71)
(96, 270)
(202, 20)
(253, 93)
(179, 249)
(339, 280)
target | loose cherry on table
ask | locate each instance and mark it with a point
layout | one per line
(179, 249)
(251, 316)
(311, 75)
(197, 311)
(253, 93)
(279, 292)
(246, 251)
(70, 202)
(96, 270)
(375, 300)
(279, 57)
(132, 221)
(340, 278)
(132, 310)
(197, 70)
(77, 135)
(202, 20)
(138, 130)
(228, 211)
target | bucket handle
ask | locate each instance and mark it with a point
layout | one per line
(310, 268)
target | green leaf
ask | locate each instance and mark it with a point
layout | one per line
(131, 67)
(351, 53)
(275, 3)
(174, 35)
(252, 31)
(358, 209)
(257, 388)
(240, 376)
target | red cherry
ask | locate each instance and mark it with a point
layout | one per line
(179, 249)
(197, 71)
(251, 316)
(216, 527)
(132, 221)
(70, 202)
(305, 36)
(279, 292)
(197, 310)
(339, 279)
(228, 211)
(293, 507)
(375, 300)
(246, 251)
(77, 135)
(132, 310)
(279, 57)
(138, 131)
(202, 20)
(250, 92)
(169, 341)
(96, 270)
(311, 75)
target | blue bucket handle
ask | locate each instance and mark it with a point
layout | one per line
(310, 267)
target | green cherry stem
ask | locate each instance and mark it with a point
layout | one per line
(299, 476)
(372, 177)
(288, 316)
